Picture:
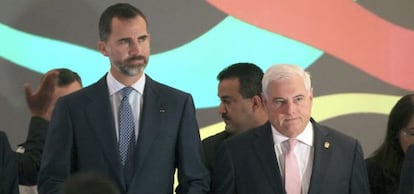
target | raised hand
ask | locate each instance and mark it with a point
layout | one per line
(41, 102)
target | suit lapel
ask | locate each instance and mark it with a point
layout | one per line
(101, 119)
(322, 156)
(264, 147)
(149, 122)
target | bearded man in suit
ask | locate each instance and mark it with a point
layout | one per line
(126, 126)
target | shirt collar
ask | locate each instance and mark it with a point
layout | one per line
(305, 137)
(114, 85)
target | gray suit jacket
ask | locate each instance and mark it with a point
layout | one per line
(247, 164)
(82, 137)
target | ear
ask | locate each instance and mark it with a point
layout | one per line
(311, 94)
(256, 102)
(102, 48)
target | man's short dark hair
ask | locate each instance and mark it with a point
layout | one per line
(122, 11)
(66, 77)
(249, 75)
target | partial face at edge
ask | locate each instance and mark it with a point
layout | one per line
(406, 135)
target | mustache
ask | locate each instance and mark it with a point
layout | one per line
(136, 58)
(225, 117)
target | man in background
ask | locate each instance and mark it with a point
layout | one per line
(53, 85)
(241, 106)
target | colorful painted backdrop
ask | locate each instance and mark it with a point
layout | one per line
(359, 52)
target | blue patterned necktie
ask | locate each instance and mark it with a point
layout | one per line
(126, 126)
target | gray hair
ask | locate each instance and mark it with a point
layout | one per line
(284, 71)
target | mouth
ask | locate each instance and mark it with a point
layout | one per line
(227, 124)
(226, 121)
(291, 119)
(133, 59)
(225, 118)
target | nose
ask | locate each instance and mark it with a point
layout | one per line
(134, 48)
(221, 108)
(290, 108)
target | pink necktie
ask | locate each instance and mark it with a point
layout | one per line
(292, 177)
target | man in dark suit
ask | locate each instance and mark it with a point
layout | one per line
(291, 153)
(126, 126)
(241, 106)
(407, 172)
(53, 85)
(8, 168)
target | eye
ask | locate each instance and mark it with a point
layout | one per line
(299, 99)
(225, 101)
(279, 101)
(142, 39)
(410, 132)
(123, 41)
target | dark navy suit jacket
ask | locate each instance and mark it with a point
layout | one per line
(211, 145)
(8, 167)
(247, 164)
(82, 137)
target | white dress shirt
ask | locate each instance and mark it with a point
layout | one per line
(135, 99)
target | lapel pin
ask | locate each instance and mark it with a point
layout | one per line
(326, 145)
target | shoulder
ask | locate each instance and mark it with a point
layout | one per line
(260, 133)
(373, 165)
(3, 135)
(4, 144)
(334, 134)
(341, 144)
(216, 139)
(3, 138)
(94, 91)
(164, 89)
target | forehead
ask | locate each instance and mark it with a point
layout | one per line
(136, 24)
(287, 87)
(410, 123)
(229, 86)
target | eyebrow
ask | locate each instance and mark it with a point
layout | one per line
(124, 39)
(299, 95)
(143, 36)
(224, 97)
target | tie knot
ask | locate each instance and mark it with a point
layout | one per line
(292, 143)
(126, 91)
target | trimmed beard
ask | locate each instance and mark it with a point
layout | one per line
(130, 69)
